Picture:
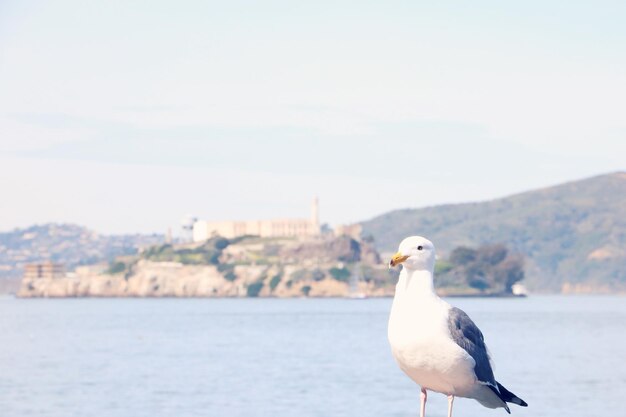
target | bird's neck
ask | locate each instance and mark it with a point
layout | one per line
(415, 283)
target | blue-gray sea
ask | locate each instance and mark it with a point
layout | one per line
(293, 357)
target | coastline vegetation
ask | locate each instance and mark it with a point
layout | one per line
(488, 269)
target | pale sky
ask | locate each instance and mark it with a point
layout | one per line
(125, 116)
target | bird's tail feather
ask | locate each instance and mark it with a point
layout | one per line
(509, 397)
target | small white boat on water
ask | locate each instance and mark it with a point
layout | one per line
(519, 290)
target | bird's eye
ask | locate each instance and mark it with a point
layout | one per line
(420, 247)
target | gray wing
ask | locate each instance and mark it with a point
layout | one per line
(469, 337)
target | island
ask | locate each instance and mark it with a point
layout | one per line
(253, 266)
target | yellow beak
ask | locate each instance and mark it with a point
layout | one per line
(397, 259)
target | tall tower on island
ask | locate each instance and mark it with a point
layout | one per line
(315, 216)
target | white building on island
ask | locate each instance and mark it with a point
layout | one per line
(203, 230)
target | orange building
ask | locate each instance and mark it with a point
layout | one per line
(47, 270)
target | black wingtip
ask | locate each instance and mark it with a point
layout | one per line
(517, 400)
(508, 396)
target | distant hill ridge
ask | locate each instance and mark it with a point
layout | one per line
(573, 234)
(68, 244)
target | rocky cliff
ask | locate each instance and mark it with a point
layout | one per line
(331, 267)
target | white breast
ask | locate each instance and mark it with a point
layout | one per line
(423, 348)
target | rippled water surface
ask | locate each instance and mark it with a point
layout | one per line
(300, 357)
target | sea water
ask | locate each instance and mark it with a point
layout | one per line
(293, 357)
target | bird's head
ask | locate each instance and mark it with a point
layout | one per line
(415, 253)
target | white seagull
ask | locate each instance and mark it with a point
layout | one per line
(438, 346)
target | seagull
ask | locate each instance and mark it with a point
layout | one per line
(438, 346)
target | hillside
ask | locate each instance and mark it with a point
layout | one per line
(68, 244)
(247, 266)
(573, 235)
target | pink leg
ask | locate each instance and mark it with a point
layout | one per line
(450, 402)
(423, 397)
